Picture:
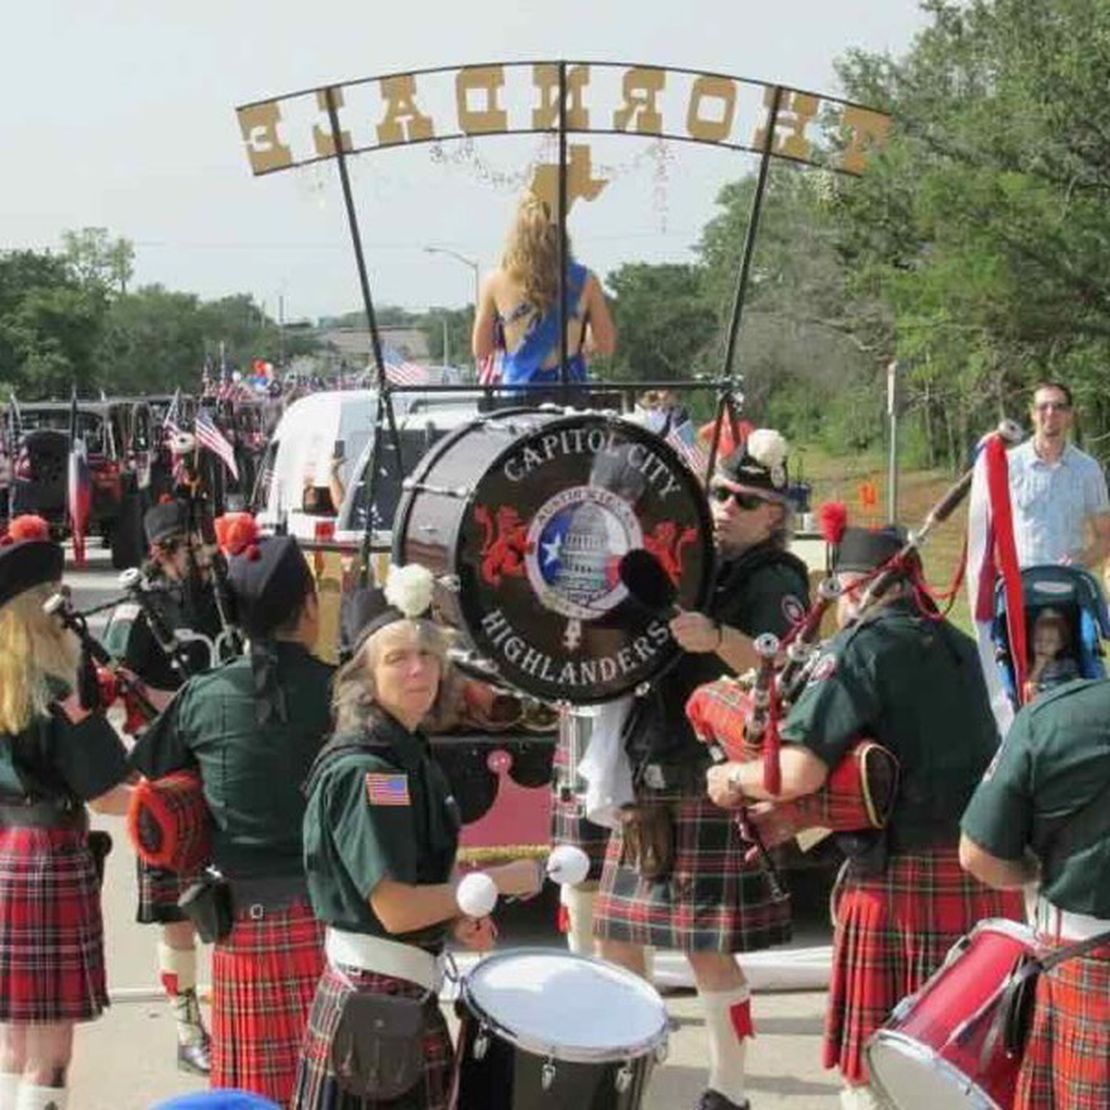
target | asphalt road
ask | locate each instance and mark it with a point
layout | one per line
(126, 1059)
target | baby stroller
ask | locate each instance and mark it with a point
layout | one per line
(1066, 620)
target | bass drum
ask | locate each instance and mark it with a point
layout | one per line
(523, 517)
(548, 1030)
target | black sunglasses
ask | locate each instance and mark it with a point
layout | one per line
(746, 501)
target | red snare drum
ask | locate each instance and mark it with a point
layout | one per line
(929, 1055)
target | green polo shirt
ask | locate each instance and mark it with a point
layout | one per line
(1054, 760)
(915, 686)
(381, 808)
(54, 759)
(252, 774)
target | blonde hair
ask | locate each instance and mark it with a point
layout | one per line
(354, 696)
(34, 648)
(531, 255)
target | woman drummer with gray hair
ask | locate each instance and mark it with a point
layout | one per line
(380, 837)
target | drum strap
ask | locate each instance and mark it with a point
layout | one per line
(1014, 1017)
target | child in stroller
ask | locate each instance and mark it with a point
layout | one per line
(1066, 620)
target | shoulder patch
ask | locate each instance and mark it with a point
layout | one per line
(825, 667)
(387, 790)
(792, 608)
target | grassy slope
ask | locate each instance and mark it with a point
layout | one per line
(839, 477)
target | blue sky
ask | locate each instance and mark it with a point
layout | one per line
(121, 115)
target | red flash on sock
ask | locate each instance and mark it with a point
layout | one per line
(169, 983)
(740, 1014)
(562, 921)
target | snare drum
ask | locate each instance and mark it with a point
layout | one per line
(933, 1051)
(545, 1029)
(523, 518)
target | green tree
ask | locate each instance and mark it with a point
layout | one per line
(49, 326)
(984, 226)
(98, 259)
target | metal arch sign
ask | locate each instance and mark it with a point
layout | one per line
(433, 105)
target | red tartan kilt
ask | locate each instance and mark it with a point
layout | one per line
(892, 932)
(714, 900)
(51, 932)
(316, 1087)
(1067, 1057)
(169, 822)
(159, 890)
(263, 978)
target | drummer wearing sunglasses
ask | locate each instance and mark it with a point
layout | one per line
(718, 904)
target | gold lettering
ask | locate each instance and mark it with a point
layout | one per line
(258, 124)
(796, 110)
(720, 89)
(546, 78)
(491, 118)
(321, 136)
(403, 121)
(580, 179)
(868, 131)
(641, 89)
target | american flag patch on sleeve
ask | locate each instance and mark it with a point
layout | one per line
(387, 790)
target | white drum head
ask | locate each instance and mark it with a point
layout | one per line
(914, 1077)
(569, 1007)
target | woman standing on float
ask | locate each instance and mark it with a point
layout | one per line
(380, 836)
(519, 304)
(54, 757)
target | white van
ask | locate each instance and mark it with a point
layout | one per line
(317, 428)
(299, 455)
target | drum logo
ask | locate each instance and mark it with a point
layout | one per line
(574, 547)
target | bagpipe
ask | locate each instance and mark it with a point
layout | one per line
(111, 680)
(168, 820)
(738, 716)
(206, 558)
(176, 644)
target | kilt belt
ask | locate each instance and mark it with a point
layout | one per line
(42, 815)
(384, 957)
(254, 898)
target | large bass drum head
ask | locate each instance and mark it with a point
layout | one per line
(538, 544)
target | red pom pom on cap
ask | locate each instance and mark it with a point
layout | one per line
(28, 527)
(832, 520)
(236, 533)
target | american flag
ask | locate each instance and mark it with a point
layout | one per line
(684, 440)
(387, 790)
(208, 435)
(400, 371)
(171, 424)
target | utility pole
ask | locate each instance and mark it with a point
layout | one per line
(892, 416)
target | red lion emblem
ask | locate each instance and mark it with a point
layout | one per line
(504, 545)
(666, 545)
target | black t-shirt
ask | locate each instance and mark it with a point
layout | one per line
(765, 589)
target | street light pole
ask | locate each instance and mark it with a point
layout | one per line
(465, 261)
